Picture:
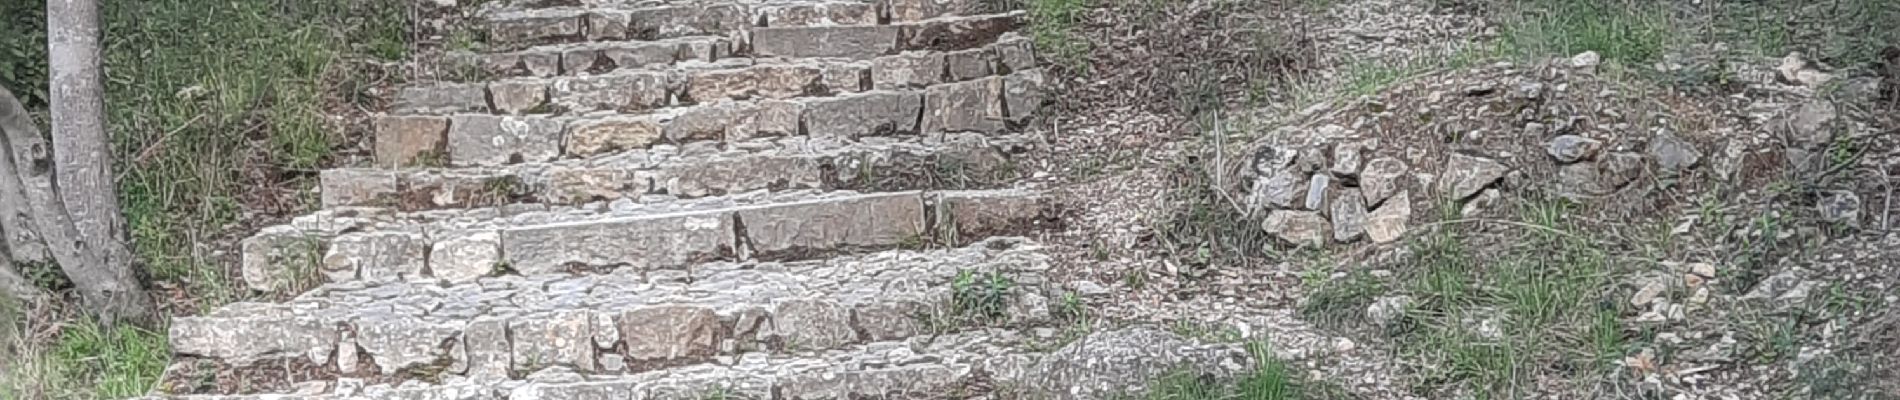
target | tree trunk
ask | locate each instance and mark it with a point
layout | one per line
(20, 140)
(82, 161)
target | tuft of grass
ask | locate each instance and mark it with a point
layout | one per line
(88, 361)
(1269, 379)
(1629, 33)
(1052, 26)
(1480, 321)
(981, 296)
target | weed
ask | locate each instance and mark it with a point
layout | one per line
(1269, 379)
(120, 362)
(1052, 25)
(1630, 33)
(983, 296)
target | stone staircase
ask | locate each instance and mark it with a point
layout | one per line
(779, 199)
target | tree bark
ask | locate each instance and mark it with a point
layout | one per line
(82, 161)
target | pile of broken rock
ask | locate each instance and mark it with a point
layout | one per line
(1456, 143)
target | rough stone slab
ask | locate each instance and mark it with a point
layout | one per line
(620, 91)
(492, 140)
(726, 175)
(1466, 175)
(976, 214)
(376, 256)
(606, 135)
(245, 340)
(1388, 222)
(914, 69)
(773, 81)
(640, 164)
(973, 106)
(645, 243)
(687, 20)
(970, 64)
(466, 256)
(670, 332)
(515, 325)
(518, 96)
(818, 14)
(1024, 95)
(957, 33)
(919, 10)
(409, 140)
(717, 121)
(358, 187)
(853, 42)
(1015, 52)
(874, 220)
(878, 113)
(564, 339)
(534, 27)
(441, 98)
(396, 343)
(606, 24)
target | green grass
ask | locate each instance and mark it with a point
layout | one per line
(1269, 379)
(1052, 26)
(249, 88)
(1542, 296)
(210, 105)
(1630, 33)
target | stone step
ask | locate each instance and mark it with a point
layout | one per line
(990, 104)
(826, 29)
(698, 169)
(629, 319)
(973, 364)
(594, 58)
(376, 245)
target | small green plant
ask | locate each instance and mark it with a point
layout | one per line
(982, 296)
(122, 361)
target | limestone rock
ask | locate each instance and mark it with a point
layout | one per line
(1297, 227)
(1388, 222)
(492, 140)
(1586, 60)
(877, 113)
(1579, 181)
(813, 324)
(1620, 168)
(970, 64)
(1024, 94)
(1572, 148)
(670, 332)
(854, 42)
(1278, 190)
(1840, 207)
(1387, 310)
(914, 69)
(397, 343)
(1467, 175)
(722, 120)
(357, 187)
(1380, 179)
(1672, 153)
(867, 221)
(486, 350)
(409, 140)
(465, 257)
(1349, 217)
(376, 256)
(253, 338)
(518, 96)
(612, 134)
(441, 99)
(561, 339)
(1347, 159)
(972, 106)
(1316, 188)
(620, 91)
